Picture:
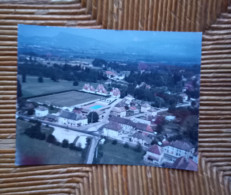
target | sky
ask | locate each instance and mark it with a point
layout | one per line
(185, 45)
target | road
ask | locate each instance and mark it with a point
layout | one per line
(91, 152)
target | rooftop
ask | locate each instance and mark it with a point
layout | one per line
(155, 149)
(180, 145)
(114, 126)
(122, 120)
(71, 115)
(182, 163)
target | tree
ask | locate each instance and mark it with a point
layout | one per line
(30, 111)
(172, 104)
(19, 89)
(93, 117)
(51, 139)
(159, 128)
(138, 148)
(24, 78)
(65, 143)
(35, 131)
(40, 79)
(114, 142)
(75, 83)
(126, 145)
(99, 62)
(54, 78)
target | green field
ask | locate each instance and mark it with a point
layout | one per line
(66, 99)
(33, 151)
(118, 154)
(33, 88)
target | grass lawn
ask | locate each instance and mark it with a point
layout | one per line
(118, 154)
(32, 151)
(33, 88)
(69, 98)
(23, 125)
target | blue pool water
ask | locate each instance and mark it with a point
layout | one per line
(95, 107)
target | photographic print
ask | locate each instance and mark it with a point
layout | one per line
(89, 96)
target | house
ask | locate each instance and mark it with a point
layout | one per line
(115, 93)
(143, 127)
(176, 149)
(101, 90)
(153, 155)
(112, 130)
(145, 107)
(141, 138)
(127, 125)
(110, 74)
(92, 89)
(128, 99)
(134, 109)
(119, 111)
(168, 153)
(186, 164)
(72, 119)
(142, 120)
(88, 88)
(41, 111)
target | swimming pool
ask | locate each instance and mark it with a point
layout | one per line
(95, 107)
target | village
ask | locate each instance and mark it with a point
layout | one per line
(98, 114)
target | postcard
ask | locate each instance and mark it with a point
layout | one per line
(90, 96)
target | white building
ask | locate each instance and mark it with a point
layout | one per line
(72, 119)
(101, 90)
(153, 155)
(128, 99)
(112, 130)
(176, 149)
(145, 107)
(119, 111)
(115, 93)
(41, 111)
(169, 152)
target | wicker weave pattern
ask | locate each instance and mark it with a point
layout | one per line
(214, 176)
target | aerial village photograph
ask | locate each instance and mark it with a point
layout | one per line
(89, 96)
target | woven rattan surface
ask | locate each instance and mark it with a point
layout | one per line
(213, 17)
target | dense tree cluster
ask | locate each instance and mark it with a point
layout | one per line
(57, 72)
(35, 131)
(93, 117)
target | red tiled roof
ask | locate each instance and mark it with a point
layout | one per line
(155, 149)
(149, 128)
(182, 163)
(110, 73)
(133, 108)
(113, 126)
